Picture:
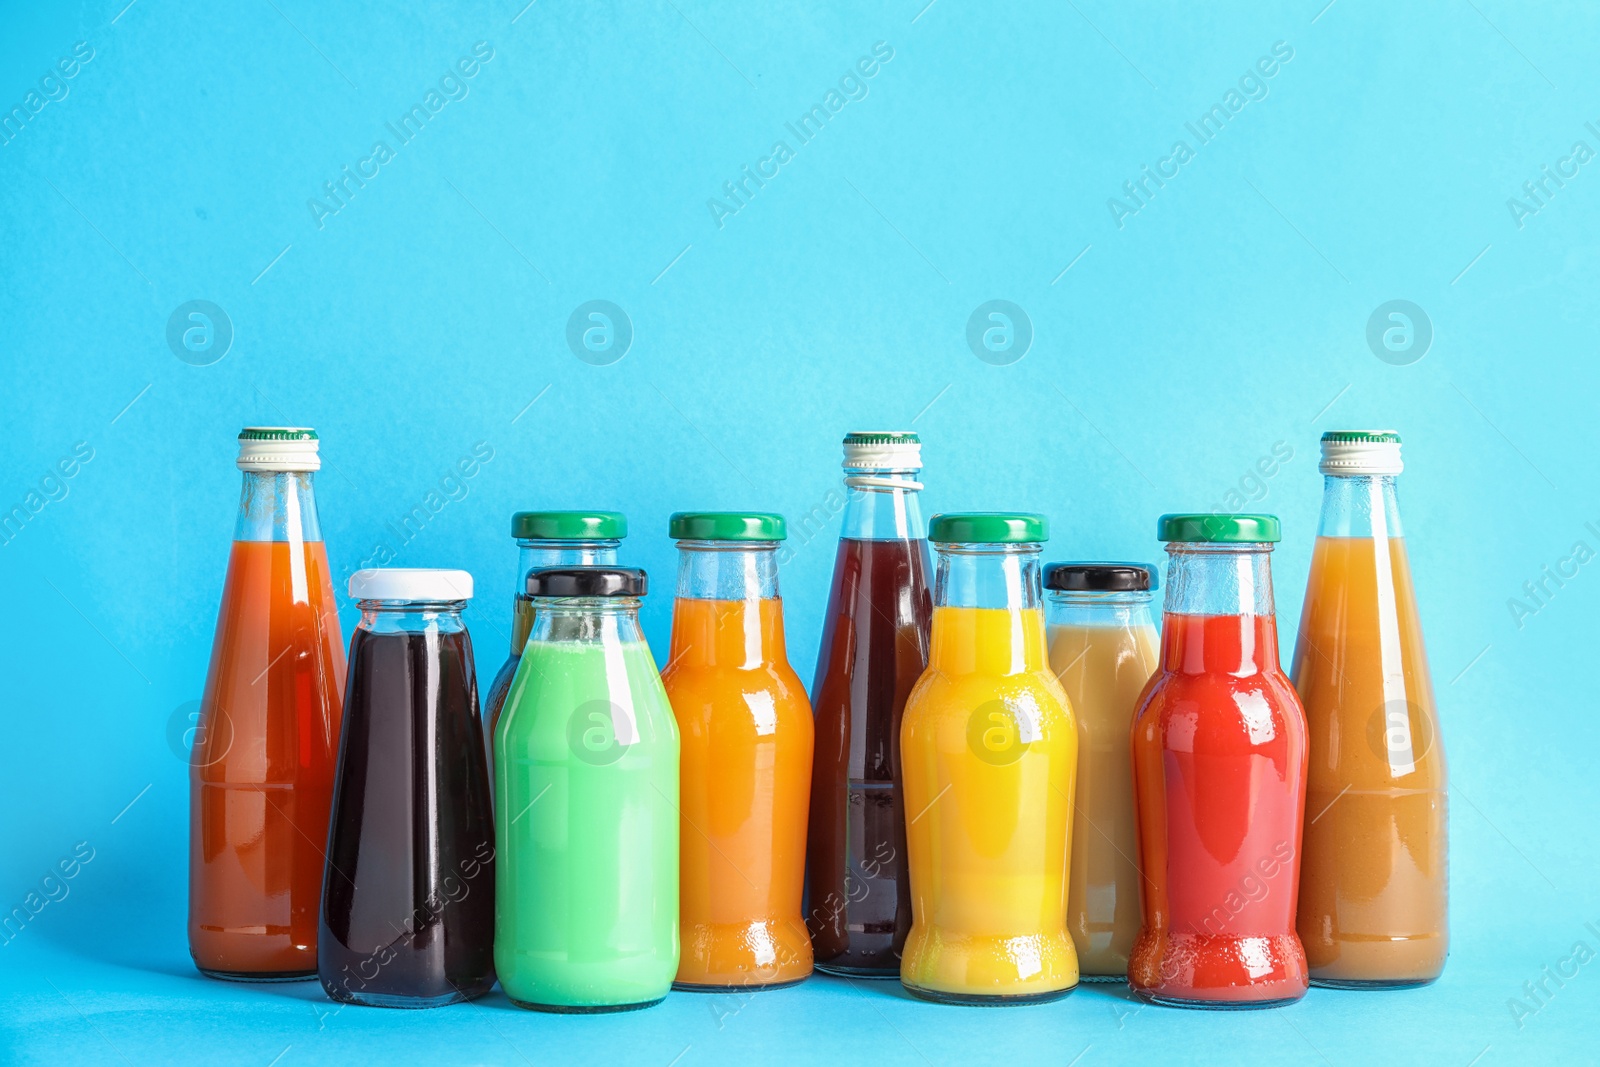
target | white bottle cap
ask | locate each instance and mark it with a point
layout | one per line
(278, 448)
(1360, 452)
(410, 583)
(897, 450)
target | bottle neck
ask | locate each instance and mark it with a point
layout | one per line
(728, 613)
(1364, 505)
(534, 555)
(412, 616)
(1219, 611)
(1005, 634)
(881, 504)
(277, 506)
(586, 620)
(1125, 610)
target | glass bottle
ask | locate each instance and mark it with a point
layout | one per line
(408, 895)
(262, 764)
(586, 804)
(1374, 884)
(989, 753)
(548, 539)
(874, 648)
(1103, 648)
(745, 764)
(1219, 774)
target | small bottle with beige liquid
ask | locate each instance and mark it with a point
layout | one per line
(1103, 647)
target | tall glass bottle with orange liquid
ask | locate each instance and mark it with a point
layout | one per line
(874, 648)
(989, 754)
(745, 763)
(262, 765)
(1375, 881)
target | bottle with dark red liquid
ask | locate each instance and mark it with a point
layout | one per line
(408, 892)
(874, 648)
(1219, 778)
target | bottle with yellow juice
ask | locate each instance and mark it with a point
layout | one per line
(989, 755)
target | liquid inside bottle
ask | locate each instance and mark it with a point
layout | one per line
(989, 754)
(1219, 767)
(586, 805)
(266, 744)
(874, 648)
(408, 895)
(1374, 884)
(1103, 648)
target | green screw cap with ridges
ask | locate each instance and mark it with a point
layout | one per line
(1376, 437)
(569, 526)
(726, 526)
(277, 433)
(988, 528)
(882, 437)
(1231, 529)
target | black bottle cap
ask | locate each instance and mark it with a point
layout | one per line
(587, 581)
(1100, 577)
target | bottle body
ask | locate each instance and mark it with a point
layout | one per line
(1375, 882)
(1219, 765)
(1104, 648)
(874, 648)
(989, 754)
(408, 896)
(262, 765)
(746, 739)
(586, 819)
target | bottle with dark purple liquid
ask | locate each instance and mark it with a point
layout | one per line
(874, 648)
(408, 891)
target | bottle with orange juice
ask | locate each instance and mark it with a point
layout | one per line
(745, 771)
(1374, 881)
(989, 754)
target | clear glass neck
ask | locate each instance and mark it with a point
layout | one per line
(727, 570)
(277, 506)
(533, 555)
(1122, 610)
(412, 616)
(1363, 505)
(590, 620)
(881, 504)
(1206, 578)
(988, 576)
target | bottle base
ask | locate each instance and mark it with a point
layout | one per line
(1374, 983)
(381, 1000)
(737, 987)
(846, 971)
(259, 978)
(586, 1009)
(987, 1000)
(1217, 1005)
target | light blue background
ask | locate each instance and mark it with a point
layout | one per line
(1227, 315)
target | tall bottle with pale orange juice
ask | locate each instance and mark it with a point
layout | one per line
(989, 753)
(745, 770)
(1374, 881)
(1103, 648)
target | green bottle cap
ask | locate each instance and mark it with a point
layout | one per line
(882, 437)
(726, 526)
(988, 528)
(1372, 437)
(569, 526)
(277, 433)
(1204, 526)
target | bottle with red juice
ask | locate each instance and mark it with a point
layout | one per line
(874, 648)
(1219, 768)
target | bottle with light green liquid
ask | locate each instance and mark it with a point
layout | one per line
(586, 804)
